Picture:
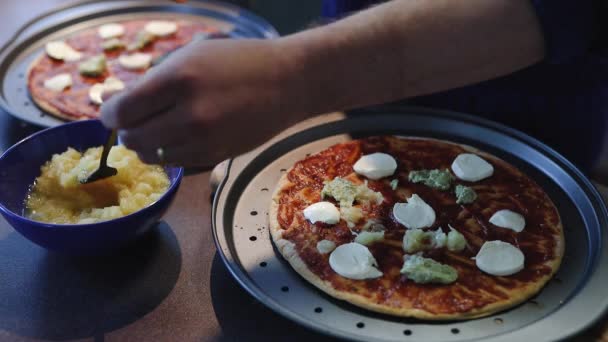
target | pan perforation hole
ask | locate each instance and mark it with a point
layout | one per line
(264, 189)
(360, 325)
(455, 331)
(26, 103)
(285, 288)
(283, 170)
(253, 213)
(407, 332)
(498, 320)
(557, 280)
(252, 238)
(318, 309)
(534, 303)
(263, 264)
(21, 75)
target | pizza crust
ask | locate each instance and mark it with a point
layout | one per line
(289, 252)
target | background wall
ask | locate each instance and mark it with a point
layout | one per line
(286, 16)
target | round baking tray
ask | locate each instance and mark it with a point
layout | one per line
(17, 55)
(571, 301)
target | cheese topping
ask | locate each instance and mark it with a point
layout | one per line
(416, 213)
(375, 166)
(111, 30)
(109, 85)
(499, 258)
(325, 212)
(59, 82)
(135, 61)
(354, 261)
(161, 28)
(325, 246)
(471, 168)
(508, 219)
(62, 51)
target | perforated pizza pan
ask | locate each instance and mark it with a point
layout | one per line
(570, 302)
(17, 55)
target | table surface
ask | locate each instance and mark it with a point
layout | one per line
(170, 286)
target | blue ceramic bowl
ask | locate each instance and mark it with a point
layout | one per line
(19, 167)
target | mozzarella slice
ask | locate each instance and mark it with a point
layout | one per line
(354, 261)
(325, 246)
(414, 214)
(111, 30)
(508, 219)
(59, 82)
(375, 166)
(135, 61)
(62, 51)
(499, 258)
(471, 168)
(161, 28)
(110, 84)
(325, 212)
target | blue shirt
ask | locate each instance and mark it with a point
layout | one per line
(562, 100)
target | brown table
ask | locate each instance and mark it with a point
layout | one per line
(172, 286)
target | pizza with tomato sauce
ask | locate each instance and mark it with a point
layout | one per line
(417, 227)
(70, 77)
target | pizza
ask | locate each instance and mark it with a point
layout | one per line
(417, 227)
(69, 78)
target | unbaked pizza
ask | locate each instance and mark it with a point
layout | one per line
(417, 227)
(69, 78)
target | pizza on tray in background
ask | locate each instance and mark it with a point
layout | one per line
(69, 78)
(417, 227)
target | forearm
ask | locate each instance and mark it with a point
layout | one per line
(407, 48)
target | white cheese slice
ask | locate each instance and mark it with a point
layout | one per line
(62, 51)
(367, 238)
(325, 212)
(506, 218)
(111, 30)
(59, 82)
(110, 84)
(471, 168)
(325, 246)
(354, 261)
(135, 61)
(375, 166)
(161, 28)
(414, 214)
(499, 258)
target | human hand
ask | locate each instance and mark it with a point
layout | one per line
(207, 102)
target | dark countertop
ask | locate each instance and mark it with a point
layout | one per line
(171, 286)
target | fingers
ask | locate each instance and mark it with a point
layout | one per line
(153, 94)
(167, 128)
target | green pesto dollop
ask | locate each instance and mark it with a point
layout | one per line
(438, 179)
(347, 192)
(112, 44)
(93, 66)
(142, 39)
(417, 240)
(456, 241)
(465, 194)
(394, 184)
(424, 270)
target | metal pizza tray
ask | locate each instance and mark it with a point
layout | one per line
(17, 55)
(571, 301)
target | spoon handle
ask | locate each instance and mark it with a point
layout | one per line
(106, 149)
